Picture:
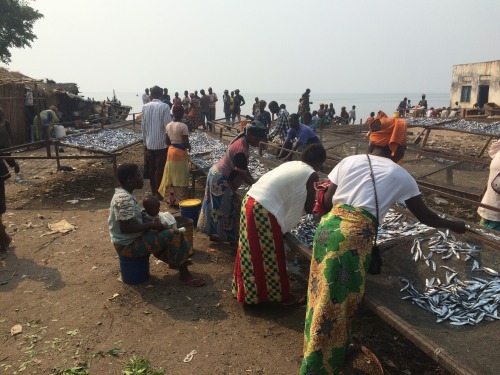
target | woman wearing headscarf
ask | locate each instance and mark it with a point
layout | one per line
(217, 217)
(194, 114)
(272, 207)
(176, 172)
(362, 189)
(489, 218)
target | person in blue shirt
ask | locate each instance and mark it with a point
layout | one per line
(299, 133)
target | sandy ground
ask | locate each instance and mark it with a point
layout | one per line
(64, 290)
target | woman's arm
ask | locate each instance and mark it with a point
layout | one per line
(311, 193)
(417, 206)
(185, 141)
(167, 139)
(130, 226)
(328, 197)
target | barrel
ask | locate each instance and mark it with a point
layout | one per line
(134, 270)
(59, 131)
(188, 224)
(190, 208)
(395, 114)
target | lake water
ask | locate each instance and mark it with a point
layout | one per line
(365, 103)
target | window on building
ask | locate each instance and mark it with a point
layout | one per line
(465, 96)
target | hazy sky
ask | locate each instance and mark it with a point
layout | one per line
(350, 46)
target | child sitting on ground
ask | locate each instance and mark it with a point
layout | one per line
(152, 213)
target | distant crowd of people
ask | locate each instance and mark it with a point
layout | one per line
(423, 110)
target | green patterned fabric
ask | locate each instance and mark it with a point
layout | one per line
(340, 261)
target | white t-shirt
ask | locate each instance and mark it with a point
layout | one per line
(491, 197)
(283, 192)
(355, 187)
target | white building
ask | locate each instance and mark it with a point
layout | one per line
(475, 83)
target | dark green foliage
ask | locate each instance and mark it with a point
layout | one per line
(16, 26)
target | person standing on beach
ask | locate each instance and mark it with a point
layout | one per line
(226, 99)
(239, 101)
(213, 99)
(305, 103)
(155, 117)
(145, 97)
(278, 134)
(352, 115)
(402, 107)
(205, 110)
(186, 101)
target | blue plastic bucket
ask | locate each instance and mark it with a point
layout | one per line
(190, 208)
(134, 270)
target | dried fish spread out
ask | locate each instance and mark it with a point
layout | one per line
(453, 298)
(105, 140)
(423, 121)
(394, 226)
(475, 126)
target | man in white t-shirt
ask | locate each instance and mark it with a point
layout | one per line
(145, 97)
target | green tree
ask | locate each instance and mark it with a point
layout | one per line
(16, 26)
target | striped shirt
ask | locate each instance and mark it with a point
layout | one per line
(155, 117)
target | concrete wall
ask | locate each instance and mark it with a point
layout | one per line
(474, 75)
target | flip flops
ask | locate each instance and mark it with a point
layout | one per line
(195, 282)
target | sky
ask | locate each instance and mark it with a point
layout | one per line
(268, 46)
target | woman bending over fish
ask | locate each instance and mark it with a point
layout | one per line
(362, 189)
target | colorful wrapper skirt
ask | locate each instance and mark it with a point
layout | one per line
(217, 216)
(490, 224)
(340, 261)
(175, 174)
(260, 269)
(166, 245)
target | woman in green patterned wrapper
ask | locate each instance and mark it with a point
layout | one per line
(362, 189)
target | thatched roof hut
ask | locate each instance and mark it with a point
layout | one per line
(13, 89)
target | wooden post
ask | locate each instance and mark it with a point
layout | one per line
(116, 183)
(426, 137)
(56, 147)
(484, 147)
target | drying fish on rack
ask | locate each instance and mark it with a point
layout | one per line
(105, 140)
(396, 225)
(443, 246)
(304, 231)
(454, 299)
(475, 126)
(458, 302)
(422, 121)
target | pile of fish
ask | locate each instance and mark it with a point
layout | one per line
(305, 229)
(475, 126)
(458, 301)
(106, 140)
(394, 226)
(423, 121)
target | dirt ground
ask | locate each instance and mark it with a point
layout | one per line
(64, 290)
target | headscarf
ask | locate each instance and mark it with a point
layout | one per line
(388, 131)
(255, 128)
(178, 111)
(53, 108)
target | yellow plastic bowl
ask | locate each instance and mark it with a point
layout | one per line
(190, 202)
